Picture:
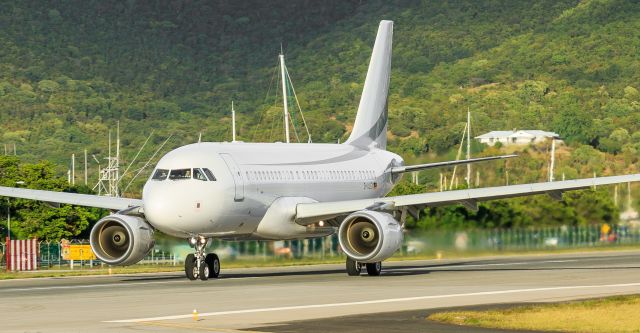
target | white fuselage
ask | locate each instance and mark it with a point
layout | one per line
(251, 176)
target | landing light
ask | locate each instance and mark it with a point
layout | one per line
(321, 223)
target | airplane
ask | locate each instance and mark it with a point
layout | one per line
(279, 191)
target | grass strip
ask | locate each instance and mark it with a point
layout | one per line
(610, 314)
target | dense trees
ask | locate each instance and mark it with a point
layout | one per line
(69, 70)
(35, 219)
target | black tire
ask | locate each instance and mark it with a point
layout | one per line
(213, 262)
(374, 269)
(204, 271)
(353, 267)
(190, 267)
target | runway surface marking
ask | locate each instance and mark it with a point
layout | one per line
(195, 327)
(380, 301)
(426, 267)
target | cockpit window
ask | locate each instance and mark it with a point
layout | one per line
(160, 174)
(209, 174)
(180, 174)
(199, 175)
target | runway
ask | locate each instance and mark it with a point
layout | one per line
(280, 299)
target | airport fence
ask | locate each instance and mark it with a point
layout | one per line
(416, 243)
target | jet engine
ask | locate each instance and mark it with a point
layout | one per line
(121, 239)
(370, 236)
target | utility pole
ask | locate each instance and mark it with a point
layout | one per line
(73, 169)
(85, 168)
(629, 195)
(8, 219)
(553, 159)
(115, 181)
(233, 123)
(15, 153)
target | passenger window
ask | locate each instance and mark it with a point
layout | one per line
(180, 174)
(209, 174)
(199, 175)
(160, 174)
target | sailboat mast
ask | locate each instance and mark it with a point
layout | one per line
(233, 123)
(468, 147)
(284, 97)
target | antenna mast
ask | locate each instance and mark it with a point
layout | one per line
(109, 176)
(284, 97)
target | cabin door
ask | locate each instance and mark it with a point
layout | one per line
(237, 176)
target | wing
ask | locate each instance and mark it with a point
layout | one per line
(308, 213)
(71, 198)
(409, 168)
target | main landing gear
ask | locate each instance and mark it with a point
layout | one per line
(354, 268)
(200, 265)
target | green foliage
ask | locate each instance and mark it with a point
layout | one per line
(577, 208)
(34, 219)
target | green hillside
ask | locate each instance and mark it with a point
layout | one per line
(69, 70)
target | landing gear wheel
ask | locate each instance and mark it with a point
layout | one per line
(374, 269)
(353, 267)
(204, 271)
(213, 262)
(190, 267)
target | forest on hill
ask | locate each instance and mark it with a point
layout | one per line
(69, 70)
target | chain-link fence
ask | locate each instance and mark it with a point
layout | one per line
(416, 243)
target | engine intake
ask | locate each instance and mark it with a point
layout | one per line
(121, 239)
(370, 236)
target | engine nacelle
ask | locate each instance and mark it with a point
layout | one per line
(370, 236)
(121, 239)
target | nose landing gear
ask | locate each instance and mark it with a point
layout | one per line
(200, 265)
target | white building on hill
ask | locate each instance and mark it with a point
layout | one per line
(521, 137)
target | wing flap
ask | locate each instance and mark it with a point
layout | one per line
(52, 197)
(307, 213)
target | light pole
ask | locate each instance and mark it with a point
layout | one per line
(20, 182)
(8, 219)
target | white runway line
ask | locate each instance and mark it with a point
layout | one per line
(380, 301)
(454, 265)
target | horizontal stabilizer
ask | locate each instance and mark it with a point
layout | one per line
(409, 168)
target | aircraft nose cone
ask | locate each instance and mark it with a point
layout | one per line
(177, 208)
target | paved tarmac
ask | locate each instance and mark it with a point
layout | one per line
(309, 298)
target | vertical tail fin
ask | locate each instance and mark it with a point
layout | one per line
(371, 120)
